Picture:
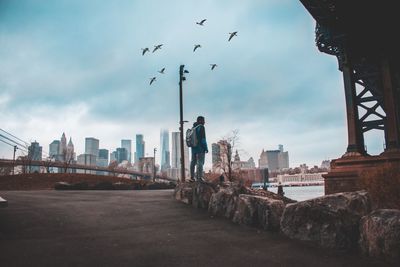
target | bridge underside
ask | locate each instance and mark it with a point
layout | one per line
(363, 37)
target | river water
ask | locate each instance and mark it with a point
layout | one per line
(300, 193)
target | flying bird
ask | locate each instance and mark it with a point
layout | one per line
(156, 47)
(201, 23)
(213, 66)
(231, 35)
(145, 50)
(196, 46)
(152, 80)
(162, 71)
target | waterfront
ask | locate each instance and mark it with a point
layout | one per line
(300, 193)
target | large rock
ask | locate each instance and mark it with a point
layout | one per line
(380, 234)
(184, 192)
(202, 193)
(331, 221)
(259, 211)
(223, 203)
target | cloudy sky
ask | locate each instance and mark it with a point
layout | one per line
(76, 67)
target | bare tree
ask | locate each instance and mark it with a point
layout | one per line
(48, 163)
(67, 160)
(227, 145)
(25, 163)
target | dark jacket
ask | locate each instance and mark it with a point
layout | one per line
(201, 137)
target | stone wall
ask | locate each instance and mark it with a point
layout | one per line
(340, 221)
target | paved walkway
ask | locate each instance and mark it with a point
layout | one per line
(140, 228)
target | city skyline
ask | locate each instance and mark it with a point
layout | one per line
(271, 82)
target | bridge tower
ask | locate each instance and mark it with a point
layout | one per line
(363, 37)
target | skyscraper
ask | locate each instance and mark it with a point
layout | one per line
(165, 154)
(34, 153)
(92, 146)
(63, 145)
(102, 160)
(176, 152)
(122, 154)
(127, 144)
(70, 151)
(54, 148)
(140, 147)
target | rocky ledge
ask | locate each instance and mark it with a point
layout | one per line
(341, 221)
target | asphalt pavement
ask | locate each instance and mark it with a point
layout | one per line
(141, 228)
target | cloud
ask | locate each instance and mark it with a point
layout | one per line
(76, 66)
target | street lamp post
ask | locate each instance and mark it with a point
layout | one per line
(182, 78)
(154, 165)
(15, 150)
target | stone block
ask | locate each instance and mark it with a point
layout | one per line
(259, 211)
(331, 221)
(184, 193)
(223, 203)
(202, 193)
(380, 234)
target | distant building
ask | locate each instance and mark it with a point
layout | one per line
(237, 164)
(63, 145)
(301, 178)
(54, 148)
(92, 146)
(221, 152)
(215, 154)
(88, 160)
(165, 153)
(140, 147)
(127, 144)
(274, 160)
(113, 156)
(102, 160)
(34, 154)
(122, 154)
(174, 173)
(176, 153)
(70, 151)
(326, 164)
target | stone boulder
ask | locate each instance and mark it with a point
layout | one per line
(223, 203)
(331, 221)
(62, 186)
(259, 211)
(122, 186)
(106, 185)
(68, 186)
(380, 234)
(202, 193)
(184, 193)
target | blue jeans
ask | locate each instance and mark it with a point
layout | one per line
(197, 159)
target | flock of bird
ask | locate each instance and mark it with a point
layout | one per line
(196, 46)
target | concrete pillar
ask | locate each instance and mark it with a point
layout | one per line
(392, 108)
(354, 130)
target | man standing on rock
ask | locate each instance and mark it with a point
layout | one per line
(199, 150)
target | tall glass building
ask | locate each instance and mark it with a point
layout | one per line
(92, 146)
(54, 148)
(176, 152)
(165, 154)
(140, 147)
(127, 144)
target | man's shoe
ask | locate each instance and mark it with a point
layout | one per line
(192, 180)
(201, 179)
